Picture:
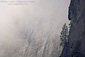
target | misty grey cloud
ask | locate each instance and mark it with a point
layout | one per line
(23, 26)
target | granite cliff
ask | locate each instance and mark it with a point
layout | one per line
(75, 46)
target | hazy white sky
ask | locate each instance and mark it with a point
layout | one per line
(40, 16)
(47, 12)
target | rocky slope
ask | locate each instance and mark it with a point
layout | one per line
(76, 47)
(23, 41)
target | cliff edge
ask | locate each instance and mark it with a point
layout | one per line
(76, 43)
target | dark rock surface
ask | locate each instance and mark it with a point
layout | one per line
(76, 43)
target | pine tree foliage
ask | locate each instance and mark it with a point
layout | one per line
(64, 35)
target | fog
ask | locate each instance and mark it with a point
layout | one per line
(22, 27)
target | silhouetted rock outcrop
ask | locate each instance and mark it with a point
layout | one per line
(76, 43)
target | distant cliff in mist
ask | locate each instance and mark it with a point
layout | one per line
(76, 45)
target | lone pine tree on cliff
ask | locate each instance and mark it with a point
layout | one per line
(64, 35)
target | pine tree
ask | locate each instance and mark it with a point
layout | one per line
(64, 35)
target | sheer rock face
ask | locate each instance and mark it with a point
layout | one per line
(76, 44)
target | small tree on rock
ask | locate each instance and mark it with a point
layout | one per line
(64, 35)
